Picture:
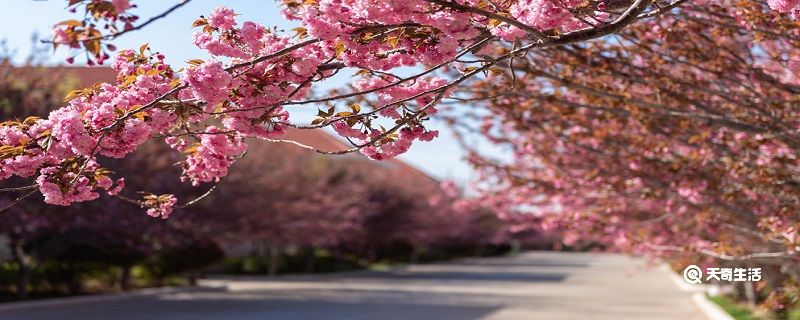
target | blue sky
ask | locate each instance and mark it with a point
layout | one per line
(441, 158)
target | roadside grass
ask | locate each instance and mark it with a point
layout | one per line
(736, 310)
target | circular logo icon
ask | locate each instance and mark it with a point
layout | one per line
(693, 275)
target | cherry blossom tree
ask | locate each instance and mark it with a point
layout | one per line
(207, 109)
(297, 200)
(677, 138)
(666, 127)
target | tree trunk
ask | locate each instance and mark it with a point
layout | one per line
(192, 278)
(158, 281)
(311, 259)
(27, 266)
(74, 281)
(414, 257)
(23, 280)
(515, 247)
(125, 278)
(750, 293)
(274, 257)
(557, 246)
(372, 254)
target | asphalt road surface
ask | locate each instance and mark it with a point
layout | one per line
(533, 285)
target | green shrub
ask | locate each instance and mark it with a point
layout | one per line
(323, 262)
(793, 314)
(8, 274)
(184, 258)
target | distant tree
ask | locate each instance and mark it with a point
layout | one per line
(677, 137)
(294, 200)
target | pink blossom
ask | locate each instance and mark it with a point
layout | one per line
(117, 188)
(222, 17)
(121, 5)
(429, 136)
(161, 207)
(344, 130)
(51, 183)
(209, 82)
(60, 36)
(69, 129)
(783, 5)
(210, 159)
(217, 47)
(251, 34)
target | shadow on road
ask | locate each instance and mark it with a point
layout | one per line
(535, 285)
(533, 263)
(465, 276)
(266, 305)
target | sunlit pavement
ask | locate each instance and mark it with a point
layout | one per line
(534, 285)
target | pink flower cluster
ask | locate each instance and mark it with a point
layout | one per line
(389, 96)
(109, 120)
(222, 18)
(121, 5)
(252, 111)
(65, 187)
(100, 16)
(161, 206)
(390, 148)
(50, 184)
(783, 5)
(209, 159)
(25, 164)
(346, 131)
(544, 15)
(334, 21)
(209, 82)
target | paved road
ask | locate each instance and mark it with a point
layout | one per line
(534, 285)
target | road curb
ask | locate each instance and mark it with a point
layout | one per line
(711, 310)
(682, 283)
(11, 306)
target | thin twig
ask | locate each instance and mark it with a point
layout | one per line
(14, 189)
(115, 35)
(18, 200)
